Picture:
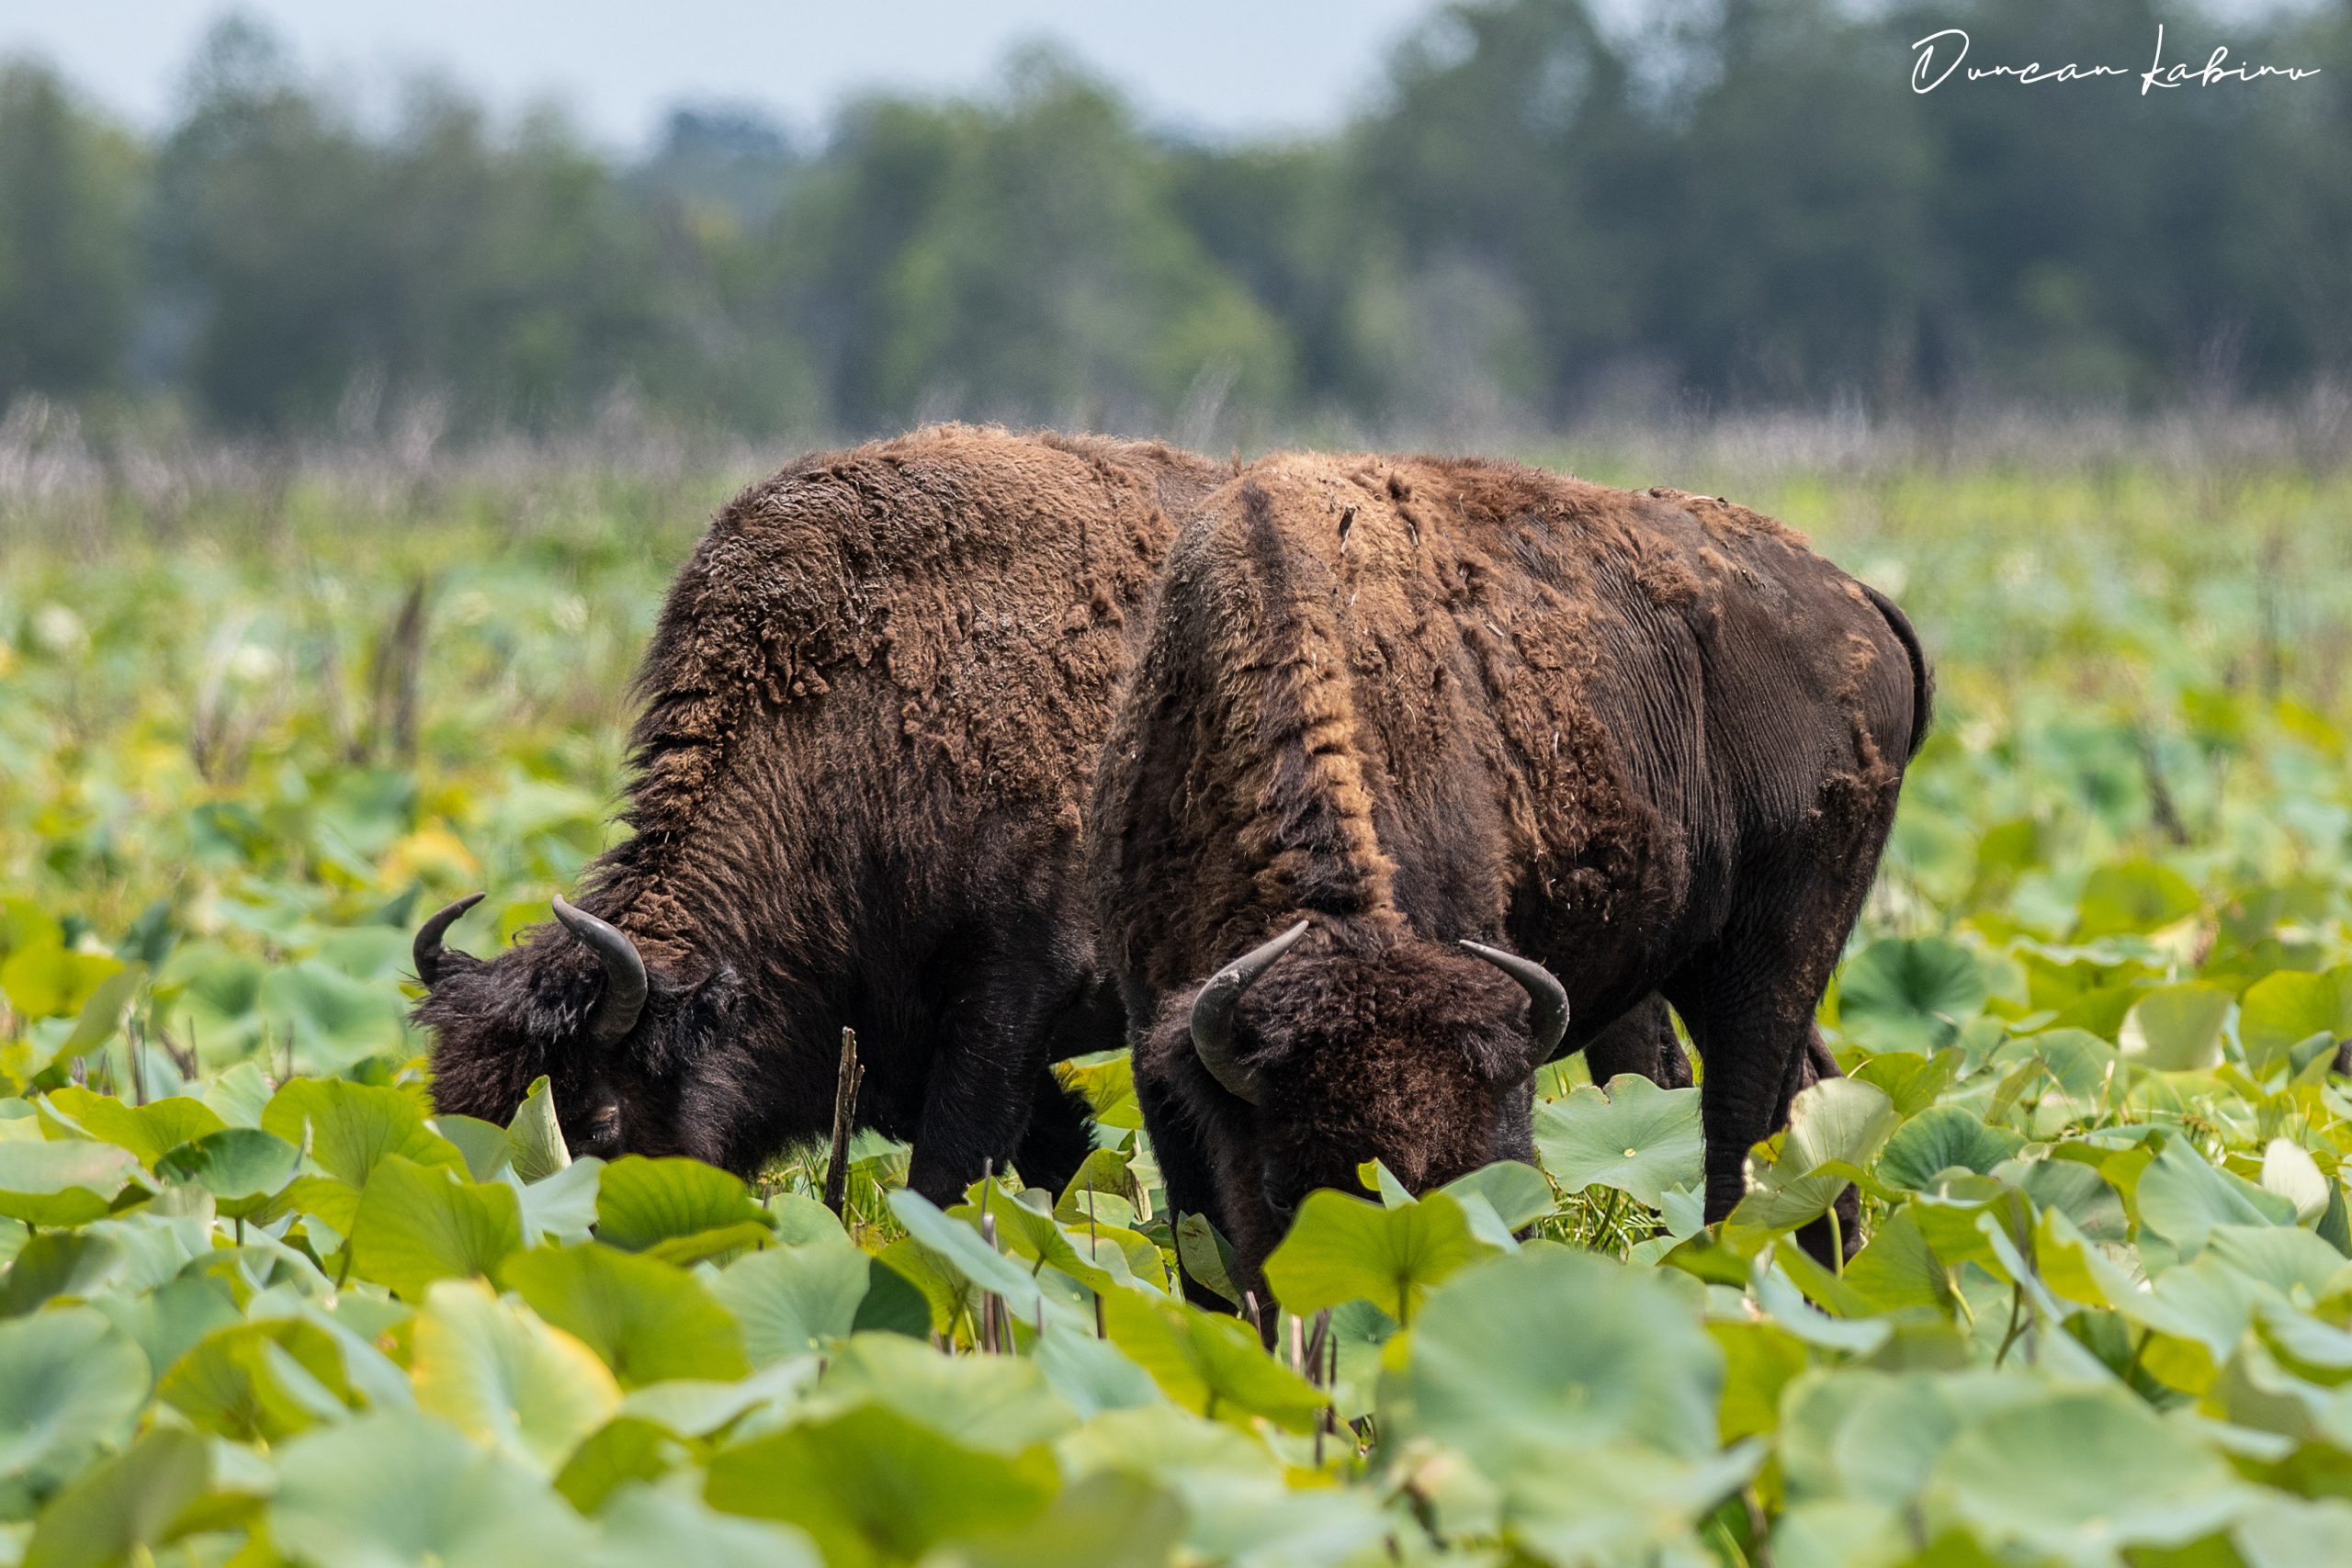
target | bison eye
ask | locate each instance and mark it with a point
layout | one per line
(601, 1137)
(1281, 1192)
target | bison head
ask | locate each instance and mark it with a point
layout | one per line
(1359, 1046)
(614, 1035)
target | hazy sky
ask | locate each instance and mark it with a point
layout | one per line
(1213, 67)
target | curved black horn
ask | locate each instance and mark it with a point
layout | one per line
(1547, 999)
(1213, 1013)
(625, 984)
(427, 953)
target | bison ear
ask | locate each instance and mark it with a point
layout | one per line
(707, 1013)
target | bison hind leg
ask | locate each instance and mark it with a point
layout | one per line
(1061, 1136)
(1641, 1041)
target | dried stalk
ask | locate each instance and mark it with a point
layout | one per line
(845, 1082)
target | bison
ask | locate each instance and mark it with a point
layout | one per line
(1433, 770)
(870, 712)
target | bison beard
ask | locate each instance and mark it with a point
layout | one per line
(1648, 740)
(870, 714)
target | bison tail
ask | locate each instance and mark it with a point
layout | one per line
(1923, 678)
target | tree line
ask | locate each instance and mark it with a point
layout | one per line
(1545, 209)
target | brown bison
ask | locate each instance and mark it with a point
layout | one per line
(1433, 770)
(871, 710)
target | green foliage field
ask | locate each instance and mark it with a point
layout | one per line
(262, 1306)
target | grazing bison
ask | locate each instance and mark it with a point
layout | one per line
(1408, 740)
(871, 710)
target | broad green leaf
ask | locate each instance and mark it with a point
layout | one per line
(874, 1487)
(1116, 1520)
(626, 1449)
(1518, 1194)
(1207, 1257)
(961, 1245)
(335, 1020)
(648, 1319)
(499, 1374)
(485, 1145)
(2291, 1173)
(1344, 1249)
(60, 1263)
(351, 1128)
(1909, 993)
(1207, 1362)
(2182, 1198)
(1091, 1375)
(2177, 1028)
(68, 1183)
(418, 1223)
(1104, 1188)
(561, 1207)
(1548, 1350)
(1637, 1137)
(70, 1382)
(2077, 1474)
(1108, 1088)
(1912, 1082)
(1940, 1138)
(261, 1382)
(999, 1403)
(694, 1209)
(794, 1300)
(2279, 1011)
(243, 1168)
(166, 1322)
(122, 1508)
(101, 1014)
(399, 1489)
(148, 1131)
(1836, 1127)
(2278, 1532)
(46, 979)
(644, 1525)
(536, 1140)
(2133, 897)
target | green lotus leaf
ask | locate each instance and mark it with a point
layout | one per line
(1344, 1249)
(121, 1509)
(148, 1131)
(641, 1203)
(67, 1182)
(70, 1383)
(1207, 1362)
(418, 1223)
(2079, 1473)
(1940, 1138)
(648, 1319)
(871, 1486)
(495, 1371)
(351, 1128)
(1637, 1138)
(243, 1168)
(1910, 993)
(1597, 1354)
(794, 1300)
(397, 1489)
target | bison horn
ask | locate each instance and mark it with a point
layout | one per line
(1547, 999)
(625, 985)
(1213, 1014)
(427, 949)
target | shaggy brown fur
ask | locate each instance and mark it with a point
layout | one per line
(1648, 739)
(870, 716)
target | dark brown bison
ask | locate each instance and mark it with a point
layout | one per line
(871, 710)
(1411, 737)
